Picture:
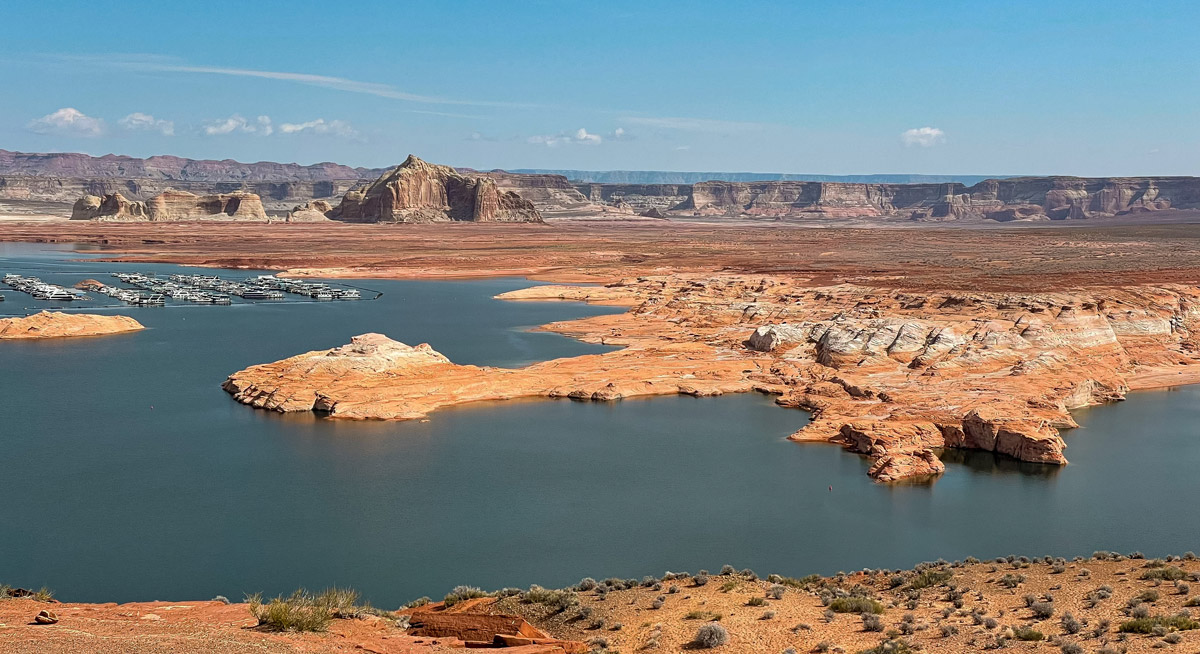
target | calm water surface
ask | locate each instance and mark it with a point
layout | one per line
(128, 474)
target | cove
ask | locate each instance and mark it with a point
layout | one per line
(130, 475)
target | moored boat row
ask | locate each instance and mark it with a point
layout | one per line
(41, 290)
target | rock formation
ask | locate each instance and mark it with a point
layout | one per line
(170, 206)
(310, 212)
(891, 375)
(420, 192)
(48, 324)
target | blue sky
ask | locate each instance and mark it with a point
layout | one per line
(1066, 87)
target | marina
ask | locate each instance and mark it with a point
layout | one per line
(142, 289)
(40, 290)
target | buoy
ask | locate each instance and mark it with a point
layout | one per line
(831, 489)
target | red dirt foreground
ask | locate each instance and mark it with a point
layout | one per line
(220, 628)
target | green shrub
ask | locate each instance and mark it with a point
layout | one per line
(1164, 574)
(1028, 633)
(890, 646)
(703, 615)
(930, 578)
(756, 601)
(299, 612)
(1011, 580)
(1148, 624)
(855, 604)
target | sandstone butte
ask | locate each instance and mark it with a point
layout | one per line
(420, 192)
(48, 324)
(892, 375)
(170, 205)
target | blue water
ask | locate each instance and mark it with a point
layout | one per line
(128, 474)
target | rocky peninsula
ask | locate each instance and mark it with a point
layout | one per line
(57, 324)
(892, 375)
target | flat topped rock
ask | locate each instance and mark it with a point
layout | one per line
(58, 324)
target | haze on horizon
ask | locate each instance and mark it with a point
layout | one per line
(1068, 87)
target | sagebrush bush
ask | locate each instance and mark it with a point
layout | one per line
(1011, 580)
(461, 593)
(710, 635)
(872, 622)
(1042, 610)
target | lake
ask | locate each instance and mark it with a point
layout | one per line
(130, 475)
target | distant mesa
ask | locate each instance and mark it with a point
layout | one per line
(413, 192)
(170, 205)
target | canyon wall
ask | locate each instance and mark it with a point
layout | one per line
(421, 192)
(169, 206)
(1017, 198)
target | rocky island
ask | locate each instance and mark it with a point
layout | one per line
(57, 324)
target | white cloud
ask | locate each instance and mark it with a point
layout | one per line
(140, 121)
(580, 135)
(337, 128)
(923, 136)
(67, 121)
(236, 123)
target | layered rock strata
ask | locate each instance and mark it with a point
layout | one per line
(421, 192)
(170, 206)
(1018, 198)
(891, 375)
(47, 324)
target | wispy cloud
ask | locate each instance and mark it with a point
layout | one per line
(339, 128)
(154, 63)
(580, 136)
(692, 124)
(138, 121)
(923, 136)
(236, 123)
(67, 121)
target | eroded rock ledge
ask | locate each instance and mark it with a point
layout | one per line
(47, 324)
(892, 375)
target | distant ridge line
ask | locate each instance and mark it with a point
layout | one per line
(684, 177)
